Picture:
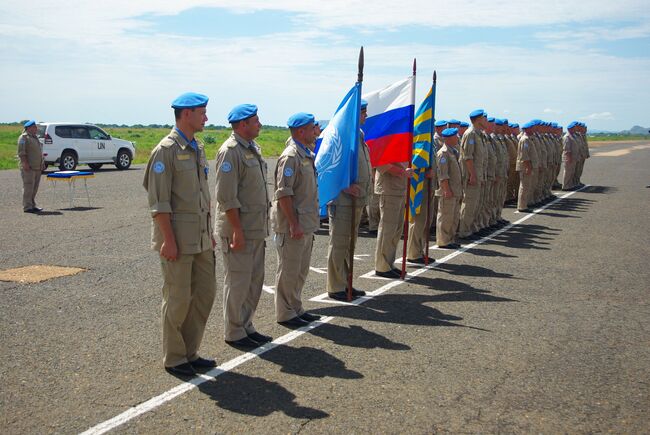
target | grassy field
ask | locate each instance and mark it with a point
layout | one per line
(271, 140)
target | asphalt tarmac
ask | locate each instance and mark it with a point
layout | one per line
(544, 328)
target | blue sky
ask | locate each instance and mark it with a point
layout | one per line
(123, 62)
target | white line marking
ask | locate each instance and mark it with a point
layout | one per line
(269, 289)
(183, 388)
(322, 270)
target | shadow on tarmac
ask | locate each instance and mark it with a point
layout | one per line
(409, 309)
(599, 189)
(308, 362)
(356, 336)
(81, 208)
(469, 270)
(489, 253)
(255, 396)
(525, 237)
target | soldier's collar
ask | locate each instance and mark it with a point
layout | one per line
(182, 140)
(302, 149)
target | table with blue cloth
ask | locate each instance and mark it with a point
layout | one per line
(71, 177)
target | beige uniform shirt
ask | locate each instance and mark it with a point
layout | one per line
(30, 147)
(540, 149)
(472, 148)
(523, 152)
(176, 181)
(389, 184)
(295, 176)
(449, 169)
(569, 146)
(241, 183)
(491, 158)
(364, 177)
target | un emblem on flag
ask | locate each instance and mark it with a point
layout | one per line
(331, 150)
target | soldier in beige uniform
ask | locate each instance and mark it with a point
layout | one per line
(569, 156)
(242, 225)
(472, 157)
(418, 233)
(30, 153)
(295, 220)
(390, 184)
(341, 212)
(176, 180)
(450, 192)
(525, 168)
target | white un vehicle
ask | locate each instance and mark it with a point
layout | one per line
(67, 145)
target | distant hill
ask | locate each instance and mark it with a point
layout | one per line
(637, 130)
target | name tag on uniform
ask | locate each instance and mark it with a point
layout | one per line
(183, 156)
(249, 155)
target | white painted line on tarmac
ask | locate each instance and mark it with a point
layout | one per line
(183, 388)
(321, 270)
(269, 289)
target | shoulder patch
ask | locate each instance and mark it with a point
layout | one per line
(226, 167)
(471, 141)
(443, 160)
(288, 172)
(525, 144)
(21, 140)
(159, 167)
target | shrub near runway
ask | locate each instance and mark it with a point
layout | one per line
(272, 140)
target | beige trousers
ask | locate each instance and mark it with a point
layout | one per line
(242, 286)
(341, 239)
(525, 189)
(447, 220)
(418, 232)
(294, 257)
(31, 181)
(373, 212)
(188, 293)
(391, 227)
(569, 175)
(468, 209)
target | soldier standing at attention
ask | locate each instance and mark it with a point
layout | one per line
(450, 192)
(30, 153)
(569, 153)
(340, 213)
(295, 220)
(242, 225)
(525, 169)
(176, 180)
(390, 185)
(472, 157)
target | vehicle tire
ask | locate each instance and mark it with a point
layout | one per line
(68, 161)
(95, 166)
(123, 160)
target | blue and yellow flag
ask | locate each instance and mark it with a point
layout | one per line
(422, 151)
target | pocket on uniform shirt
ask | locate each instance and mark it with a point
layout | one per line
(187, 230)
(184, 165)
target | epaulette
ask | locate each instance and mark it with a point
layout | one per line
(167, 142)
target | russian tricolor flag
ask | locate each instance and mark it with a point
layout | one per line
(389, 126)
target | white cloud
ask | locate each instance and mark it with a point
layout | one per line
(599, 116)
(553, 111)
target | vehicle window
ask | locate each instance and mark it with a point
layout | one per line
(96, 133)
(40, 131)
(80, 133)
(63, 131)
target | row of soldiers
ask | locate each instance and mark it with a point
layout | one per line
(470, 184)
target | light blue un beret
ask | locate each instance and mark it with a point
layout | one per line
(573, 124)
(453, 121)
(190, 100)
(499, 121)
(490, 119)
(464, 124)
(364, 104)
(241, 112)
(299, 119)
(476, 113)
(448, 132)
(29, 123)
(529, 124)
(440, 123)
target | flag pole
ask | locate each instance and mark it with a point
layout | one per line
(427, 229)
(408, 190)
(353, 227)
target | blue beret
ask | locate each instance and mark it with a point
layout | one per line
(476, 113)
(573, 124)
(515, 125)
(505, 120)
(499, 121)
(299, 119)
(529, 124)
(453, 121)
(364, 104)
(448, 132)
(440, 123)
(490, 119)
(464, 124)
(190, 100)
(554, 124)
(316, 122)
(29, 123)
(241, 112)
